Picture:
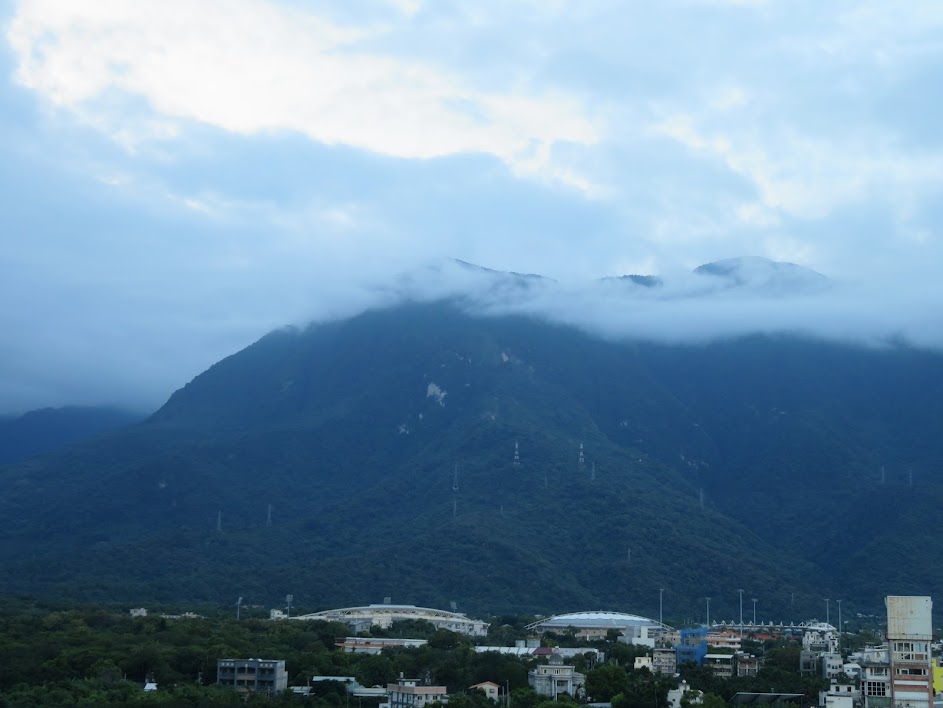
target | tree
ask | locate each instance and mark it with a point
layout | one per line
(712, 700)
(605, 681)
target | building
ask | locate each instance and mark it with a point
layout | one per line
(361, 619)
(375, 645)
(875, 685)
(909, 632)
(491, 690)
(260, 675)
(643, 662)
(352, 686)
(839, 695)
(406, 693)
(556, 678)
(721, 664)
(632, 629)
(676, 694)
(692, 646)
(746, 664)
(664, 661)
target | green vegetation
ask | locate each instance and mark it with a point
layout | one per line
(90, 656)
(706, 469)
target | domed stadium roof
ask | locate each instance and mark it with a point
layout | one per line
(594, 620)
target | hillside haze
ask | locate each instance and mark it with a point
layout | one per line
(374, 457)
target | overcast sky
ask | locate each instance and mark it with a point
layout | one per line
(180, 177)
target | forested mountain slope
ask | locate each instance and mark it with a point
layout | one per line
(381, 449)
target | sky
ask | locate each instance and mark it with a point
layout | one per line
(179, 178)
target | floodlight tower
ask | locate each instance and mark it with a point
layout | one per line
(741, 612)
(840, 628)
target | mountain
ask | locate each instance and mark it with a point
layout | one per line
(46, 429)
(373, 457)
(762, 274)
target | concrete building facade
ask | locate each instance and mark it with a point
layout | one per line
(258, 675)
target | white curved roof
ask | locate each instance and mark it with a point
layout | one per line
(597, 619)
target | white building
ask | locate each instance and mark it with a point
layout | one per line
(361, 619)
(556, 678)
(491, 690)
(375, 645)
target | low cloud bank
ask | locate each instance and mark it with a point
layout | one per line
(721, 300)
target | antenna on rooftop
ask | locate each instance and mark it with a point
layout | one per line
(517, 455)
(268, 519)
(219, 521)
(455, 479)
(582, 460)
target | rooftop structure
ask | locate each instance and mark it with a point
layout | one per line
(375, 645)
(362, 618)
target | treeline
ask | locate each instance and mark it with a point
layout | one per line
(91, 656)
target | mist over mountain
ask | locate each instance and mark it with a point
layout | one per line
(374, 455)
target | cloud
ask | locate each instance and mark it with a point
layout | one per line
(251, 67)
(179, 178)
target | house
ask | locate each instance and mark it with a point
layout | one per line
(491, 690)
(406, 693)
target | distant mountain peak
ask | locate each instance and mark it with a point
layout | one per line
(758, 272)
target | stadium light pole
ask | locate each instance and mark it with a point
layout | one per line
(741, 612)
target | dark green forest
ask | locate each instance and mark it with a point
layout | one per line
(373, 457)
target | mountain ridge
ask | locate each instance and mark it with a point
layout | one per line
(352, 431)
